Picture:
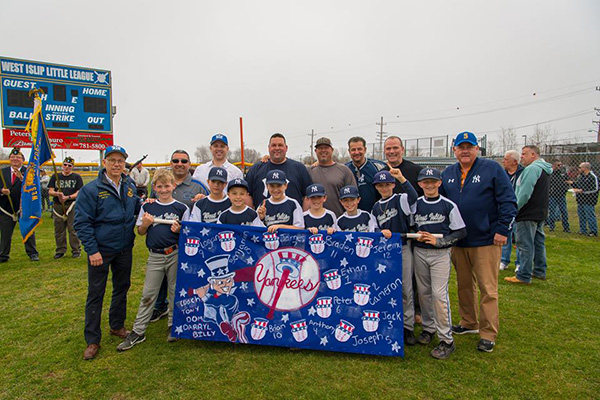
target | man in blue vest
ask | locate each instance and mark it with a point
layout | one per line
(105, 215)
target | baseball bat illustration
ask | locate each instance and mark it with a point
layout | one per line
(284, 276)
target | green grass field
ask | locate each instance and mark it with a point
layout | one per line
(548, 345)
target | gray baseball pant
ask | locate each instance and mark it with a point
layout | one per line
(159, 266)
(432, 270)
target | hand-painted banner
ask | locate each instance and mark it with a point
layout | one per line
(340, 292)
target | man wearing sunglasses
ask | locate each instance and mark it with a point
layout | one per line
(187, 190)
(65, 188)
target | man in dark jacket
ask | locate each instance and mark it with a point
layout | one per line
(10, 204)
(487, 203)
(586, 192)
(557, 202)
(513, 169)
(532, 202)
(104, 220)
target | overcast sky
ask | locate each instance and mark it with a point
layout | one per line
(184, 70)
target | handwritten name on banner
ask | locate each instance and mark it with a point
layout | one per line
(340, 292)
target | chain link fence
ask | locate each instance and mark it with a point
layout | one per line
(566, 218)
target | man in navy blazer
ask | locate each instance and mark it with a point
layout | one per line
(10, 208)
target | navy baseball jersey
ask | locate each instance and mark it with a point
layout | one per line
(361, 222)
(325, 221)
(208, 210)
(246, 217)
(297, 176)
(159, 236)
(437, 215)
(394, 212)
(287, 212)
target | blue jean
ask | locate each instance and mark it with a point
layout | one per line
(507, 250)
(557, 209)
(587, 219)
(530, 238)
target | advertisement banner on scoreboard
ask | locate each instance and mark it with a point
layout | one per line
(340, 292)
(60, 140)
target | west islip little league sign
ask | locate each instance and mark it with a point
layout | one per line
(340, 292)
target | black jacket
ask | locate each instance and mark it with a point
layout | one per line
(589, 184)
(15, 191)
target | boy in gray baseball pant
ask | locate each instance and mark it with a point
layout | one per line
(435, 214)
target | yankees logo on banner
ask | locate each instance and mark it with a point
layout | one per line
(241, 284)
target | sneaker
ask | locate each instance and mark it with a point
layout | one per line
(409, 337)
(503, 266)
(425, 338)
(461, 330)
(172, 339)
(443, 350)
(485, 345)
(517, 266)
(158, 314)
(76, 255)
(34, 257)
(131, 340)
(59, 255)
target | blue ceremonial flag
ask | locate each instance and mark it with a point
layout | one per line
(340, 292)
(31, 194)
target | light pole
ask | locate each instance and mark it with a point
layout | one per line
(524, 140)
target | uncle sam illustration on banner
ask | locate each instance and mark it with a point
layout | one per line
(339, 292)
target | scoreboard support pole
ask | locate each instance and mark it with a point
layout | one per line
(242, 144)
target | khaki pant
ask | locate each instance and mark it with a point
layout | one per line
(61, 227)
(478, 267)
(159, 266)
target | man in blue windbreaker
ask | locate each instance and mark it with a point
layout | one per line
(104, 220)
(488, 205)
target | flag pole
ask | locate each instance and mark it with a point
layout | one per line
(36, 93)
(12, 206)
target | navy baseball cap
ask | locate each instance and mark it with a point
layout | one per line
(465, 137)
(238, 182)
(349, 192)
(276, 176)
(315, 190)
(429, 173)
(219, 137)
(115, 149)
(217, 174)
(383, 177)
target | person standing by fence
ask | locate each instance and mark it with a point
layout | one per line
(586, 193)
(557, 203)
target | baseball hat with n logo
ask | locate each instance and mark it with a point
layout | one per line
(429, 173)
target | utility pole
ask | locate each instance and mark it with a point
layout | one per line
(381, 134)
(312, 138)
(597, 122)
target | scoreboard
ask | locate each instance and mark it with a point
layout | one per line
(77, 103)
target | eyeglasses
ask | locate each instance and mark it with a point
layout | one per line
(178, 160)
(67, 165)
(114, 161)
